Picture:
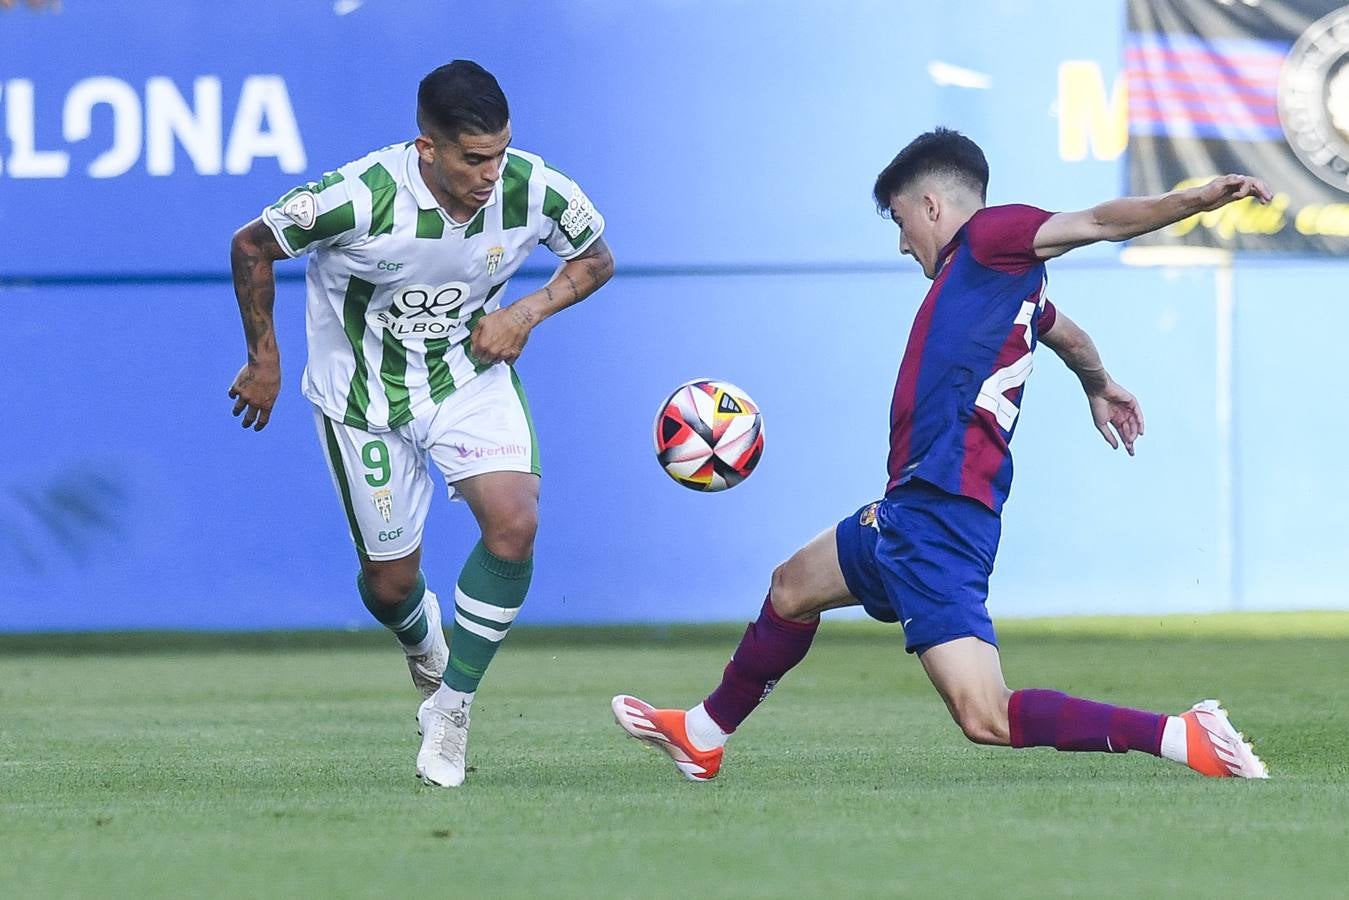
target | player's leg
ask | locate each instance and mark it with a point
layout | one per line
(937, 550)
(967, 673)
(496, 576)
(395, 593)
(483, 441)
(807, 584)
(385, 491)
(832, 571)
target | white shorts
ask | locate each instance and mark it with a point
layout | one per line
(383, 480)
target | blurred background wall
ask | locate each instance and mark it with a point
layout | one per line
(731, 145)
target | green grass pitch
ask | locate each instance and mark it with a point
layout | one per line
(281, 765)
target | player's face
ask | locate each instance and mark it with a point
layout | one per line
(464, 170)
(916, 215)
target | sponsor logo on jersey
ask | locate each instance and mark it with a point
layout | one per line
(578, 214)
(420, 311)
(383, 500)
(1314, 98)
(467, 452)
(494, 259)
(301, 209)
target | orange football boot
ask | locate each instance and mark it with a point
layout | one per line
(664, 728)
(1216, 749)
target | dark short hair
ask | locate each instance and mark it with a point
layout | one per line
(942, 151)
(461, 97)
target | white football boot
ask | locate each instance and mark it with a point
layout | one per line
(664, 729)
(440, 762)
(428, 668)
(1215, 748)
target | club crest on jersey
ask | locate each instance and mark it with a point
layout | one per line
(302, 209)
(868, 517)
(421, 311)
(494, 259)
(383, 500)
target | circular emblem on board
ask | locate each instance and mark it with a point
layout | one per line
(1314, 98)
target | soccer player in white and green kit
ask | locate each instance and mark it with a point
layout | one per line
(411, 353)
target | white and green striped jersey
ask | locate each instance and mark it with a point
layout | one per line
(395, 286)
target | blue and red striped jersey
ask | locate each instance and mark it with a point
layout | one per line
(964, 370)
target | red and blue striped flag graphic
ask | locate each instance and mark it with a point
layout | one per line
(1184, 85)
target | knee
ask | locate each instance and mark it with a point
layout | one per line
(788, 600)
(390, 585)
(511, 536)
(983, 720)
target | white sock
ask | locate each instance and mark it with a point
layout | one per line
(1174, 745)
(703, 733)
(447, 697)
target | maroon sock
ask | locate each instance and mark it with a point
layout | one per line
(1050, 719)
(770, 647)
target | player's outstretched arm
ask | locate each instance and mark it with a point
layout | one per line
(252, 253)
(501, 335)
(1111, 405)
(1129, 217)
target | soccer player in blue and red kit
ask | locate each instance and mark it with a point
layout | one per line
(922, 556)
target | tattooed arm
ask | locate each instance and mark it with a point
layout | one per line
(252, 253)
(502, 335)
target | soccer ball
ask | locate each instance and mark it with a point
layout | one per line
(709, 435)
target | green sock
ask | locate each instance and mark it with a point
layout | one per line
(486, 601)
(407, 620)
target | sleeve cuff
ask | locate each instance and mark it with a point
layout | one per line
(276, 233)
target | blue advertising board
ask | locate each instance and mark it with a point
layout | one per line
(137, 136)
(732, 148)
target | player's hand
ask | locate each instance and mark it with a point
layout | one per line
(254, 392)
(501, 335)
(1114, 407)
(1227, 188)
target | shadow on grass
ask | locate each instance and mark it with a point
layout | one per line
(1310, 626)
(177, 642)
